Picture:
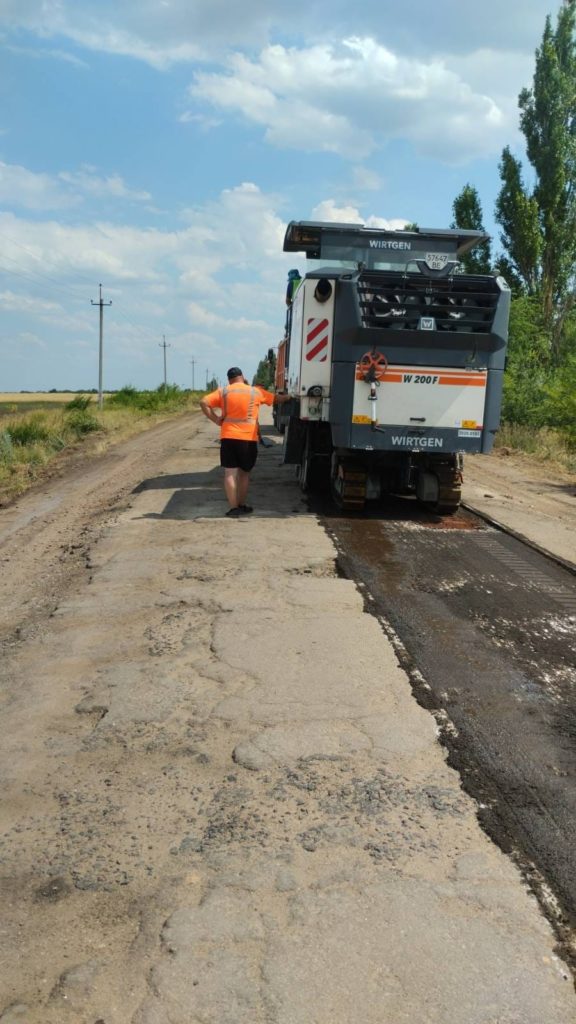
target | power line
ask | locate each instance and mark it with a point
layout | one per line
(146, 330)
(35, 276)
(81, 277)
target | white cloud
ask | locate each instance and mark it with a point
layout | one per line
(89, 183)
(159, 34)
(215, 286)
(201, 316)
(355, 97)
(51, 250)
(124, 44)
(202, 120)
(448, 83)
(15, 302)
(63, 55)
(31, 190)
(165, 33)
(240, 233)
(328, 211)
(243, 222)
(37, 191)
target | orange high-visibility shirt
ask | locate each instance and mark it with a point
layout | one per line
(240, 404)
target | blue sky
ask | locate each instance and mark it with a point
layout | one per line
(160, 147)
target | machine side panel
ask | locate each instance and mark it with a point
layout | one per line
(493, 406)
(342, 404)
(317, 334)
(295, 346)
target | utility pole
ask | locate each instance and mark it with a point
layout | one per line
(164, 346)
(101, 344)
(206, 380)
(193, 362)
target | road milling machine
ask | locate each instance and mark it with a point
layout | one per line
(394, 359)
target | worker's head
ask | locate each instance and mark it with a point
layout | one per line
(293, 275)
(234, 372)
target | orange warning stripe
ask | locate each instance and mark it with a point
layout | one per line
(475, 382)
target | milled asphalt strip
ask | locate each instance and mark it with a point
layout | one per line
(491, 521)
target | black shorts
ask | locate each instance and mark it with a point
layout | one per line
(238, 454)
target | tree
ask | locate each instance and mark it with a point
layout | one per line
(528, 372)
(266, 373)
(548, 120)
(467, 212)
(539, 228)
(560, 399)
(518, 215)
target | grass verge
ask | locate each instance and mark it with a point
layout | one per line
(542, 443)
(30, 442)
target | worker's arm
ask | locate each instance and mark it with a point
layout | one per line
(272, 397)
(209, 412)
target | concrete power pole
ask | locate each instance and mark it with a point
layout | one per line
(101, 345)
(164, 346)
(193, 363)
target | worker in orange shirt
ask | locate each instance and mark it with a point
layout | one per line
(238, 421)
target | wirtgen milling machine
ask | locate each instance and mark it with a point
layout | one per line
(395, 360)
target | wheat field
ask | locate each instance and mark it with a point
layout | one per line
(20, 397)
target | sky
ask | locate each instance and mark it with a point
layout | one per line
(159, 148)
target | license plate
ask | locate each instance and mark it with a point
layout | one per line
(436, 260)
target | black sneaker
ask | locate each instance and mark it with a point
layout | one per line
(245, 509)
(234, 513)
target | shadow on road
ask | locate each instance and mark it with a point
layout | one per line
(195, 496)
(184, 481)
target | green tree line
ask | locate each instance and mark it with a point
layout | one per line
(537, 224)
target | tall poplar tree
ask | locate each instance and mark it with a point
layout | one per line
(467, 212)
(548, 123)
(518, 214)
(539, 228)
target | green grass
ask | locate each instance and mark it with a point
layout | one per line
(543, 443)
(163, 398)
(34, 433)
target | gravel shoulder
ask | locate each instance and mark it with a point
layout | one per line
(222, 803)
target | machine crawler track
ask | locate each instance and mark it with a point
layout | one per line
(349, 489)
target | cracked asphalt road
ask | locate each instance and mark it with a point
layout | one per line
(222, 803)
